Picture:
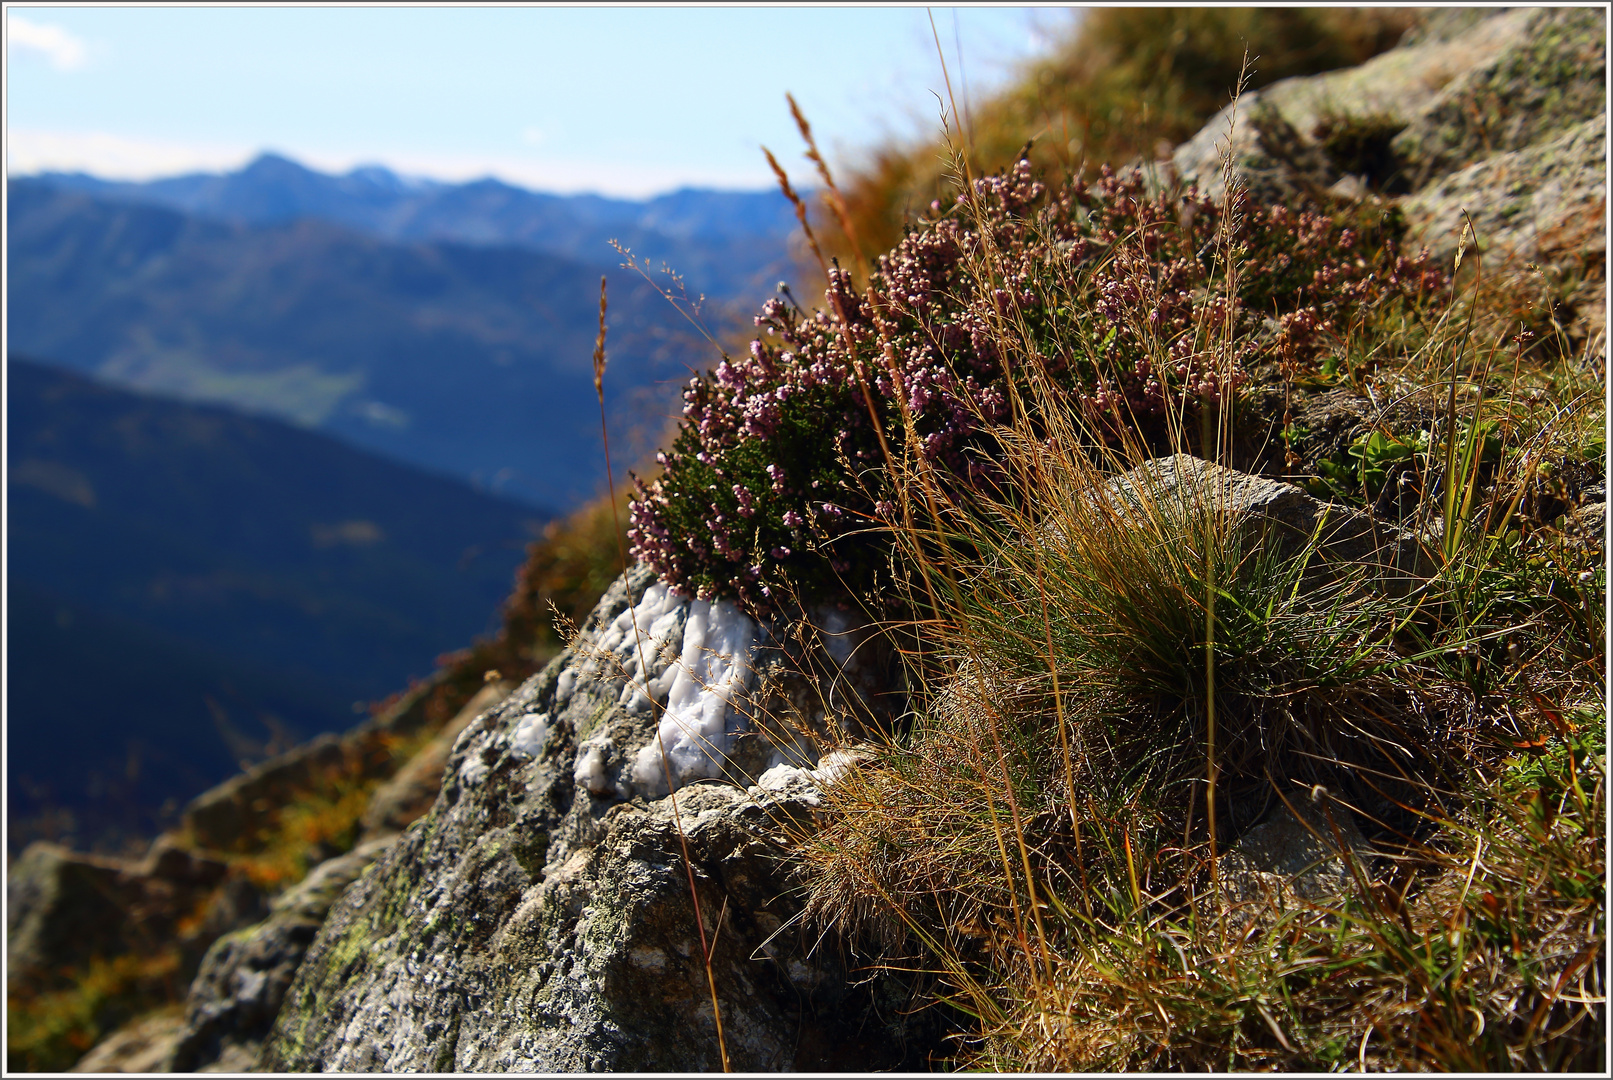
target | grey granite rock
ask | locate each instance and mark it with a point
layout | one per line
(243, 978)
(1503, 114)
(1550, 76)
(540, 917)
(1303, 851)
(141, 1046)
(1271, 132)
(1543, 202)
(1283, 518)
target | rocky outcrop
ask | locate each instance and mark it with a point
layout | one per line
(243, 978)
(1274, 131)
(540, 918)
(1500, 113)
(1548, 76)
(66, 909)
(1464, 88)
(1545, 200)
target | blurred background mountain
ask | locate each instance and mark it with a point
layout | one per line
(725, 244)
(192, 589)
(429, 324)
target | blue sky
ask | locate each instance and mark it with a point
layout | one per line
(625, 101)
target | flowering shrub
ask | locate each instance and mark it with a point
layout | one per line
(1115, 294)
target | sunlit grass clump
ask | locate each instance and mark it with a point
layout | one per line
(1051, 837)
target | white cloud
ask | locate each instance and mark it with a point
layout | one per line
(64, 51)
(114, 157)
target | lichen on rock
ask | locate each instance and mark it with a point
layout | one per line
(538, 920)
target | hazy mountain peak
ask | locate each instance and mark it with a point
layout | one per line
(726, 244)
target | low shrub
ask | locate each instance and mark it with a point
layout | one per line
(778, 477)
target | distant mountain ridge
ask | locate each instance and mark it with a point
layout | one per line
(179, 573)
(470, 360)
(725, 244)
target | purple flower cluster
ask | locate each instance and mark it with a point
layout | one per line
(1121, 297)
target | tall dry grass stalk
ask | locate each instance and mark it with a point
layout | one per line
(644, 665)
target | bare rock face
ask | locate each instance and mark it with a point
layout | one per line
(242, 981)
(1283, 518)
(540, 917)
(1502, 113)
(1542, 201)
(243, 978)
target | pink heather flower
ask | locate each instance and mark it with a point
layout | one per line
(1143, 279)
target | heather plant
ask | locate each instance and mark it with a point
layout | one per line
(779, 475)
